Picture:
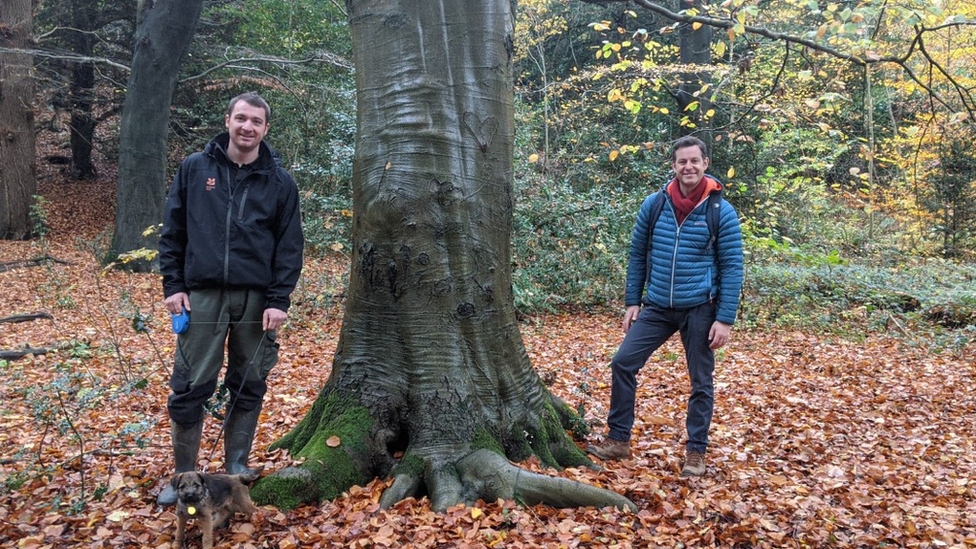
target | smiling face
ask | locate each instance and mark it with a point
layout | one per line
(689, 167)
(247, 125)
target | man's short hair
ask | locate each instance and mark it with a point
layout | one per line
(689, 141)
(253, 99)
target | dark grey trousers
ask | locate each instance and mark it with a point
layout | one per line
(653, 327)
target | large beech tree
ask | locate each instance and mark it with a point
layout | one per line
(430, 383)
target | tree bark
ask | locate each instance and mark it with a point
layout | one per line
(694, 50)
(18, 182)
(81, 94)
(162, 39)
(431, 384)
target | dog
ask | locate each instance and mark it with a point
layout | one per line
(211, 499)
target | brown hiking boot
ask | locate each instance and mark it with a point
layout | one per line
(610, 449)
(694, 465)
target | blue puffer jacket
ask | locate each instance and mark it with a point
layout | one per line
(683, 272)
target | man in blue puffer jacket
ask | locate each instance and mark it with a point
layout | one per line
(677, 282)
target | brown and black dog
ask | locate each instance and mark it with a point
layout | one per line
(211, 498)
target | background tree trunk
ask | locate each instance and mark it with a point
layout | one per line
(18, 183)
(162, 39)
(695, 49)
(81, 94)
(430, 383)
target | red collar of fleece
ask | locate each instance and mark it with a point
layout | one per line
(683, 205)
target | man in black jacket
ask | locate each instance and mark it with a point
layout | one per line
(230, 252)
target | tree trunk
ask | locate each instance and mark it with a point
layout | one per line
(81, 94)
(695, 50)
(430, 383)
(18, 183)
(162, 39)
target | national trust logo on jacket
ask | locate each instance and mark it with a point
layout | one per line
(211, 183)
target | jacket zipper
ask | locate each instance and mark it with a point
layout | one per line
(230, 212)
(674, 255)
(240, 211)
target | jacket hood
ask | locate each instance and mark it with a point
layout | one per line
(268, 158)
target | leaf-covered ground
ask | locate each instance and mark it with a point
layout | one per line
(817, 442)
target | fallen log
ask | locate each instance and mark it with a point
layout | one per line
(34, 262)
(25, 318)
(15, 354)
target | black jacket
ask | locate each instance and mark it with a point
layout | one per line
(218, 233)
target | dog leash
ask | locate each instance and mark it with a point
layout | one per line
(230, 405)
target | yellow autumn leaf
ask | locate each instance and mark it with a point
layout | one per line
(665, 110)
(720, 49)
(533, 158)
(477, 513)
(731, 173)
(710, 113)
(118, 515)
(695, 26)
(614, 95)
(614, 155)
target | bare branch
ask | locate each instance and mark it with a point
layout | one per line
(340, 8)
(772, 90)
(65, 56)
(964, 94)
(329, 58)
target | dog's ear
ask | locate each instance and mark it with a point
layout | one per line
(175, 480)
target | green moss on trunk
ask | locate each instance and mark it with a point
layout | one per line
(483, 438)
(410, 465)
(327, 471)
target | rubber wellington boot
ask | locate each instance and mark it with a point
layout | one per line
(186, 446)
(238, 436)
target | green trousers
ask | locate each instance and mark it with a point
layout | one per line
(221, 320)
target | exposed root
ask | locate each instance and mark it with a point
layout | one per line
(404, 486)
(485, 475)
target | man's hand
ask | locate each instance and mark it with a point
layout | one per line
(273, 319)
(719, 334)
(630, 317)
(177, 302)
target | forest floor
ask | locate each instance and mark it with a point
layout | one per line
(817, 441)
